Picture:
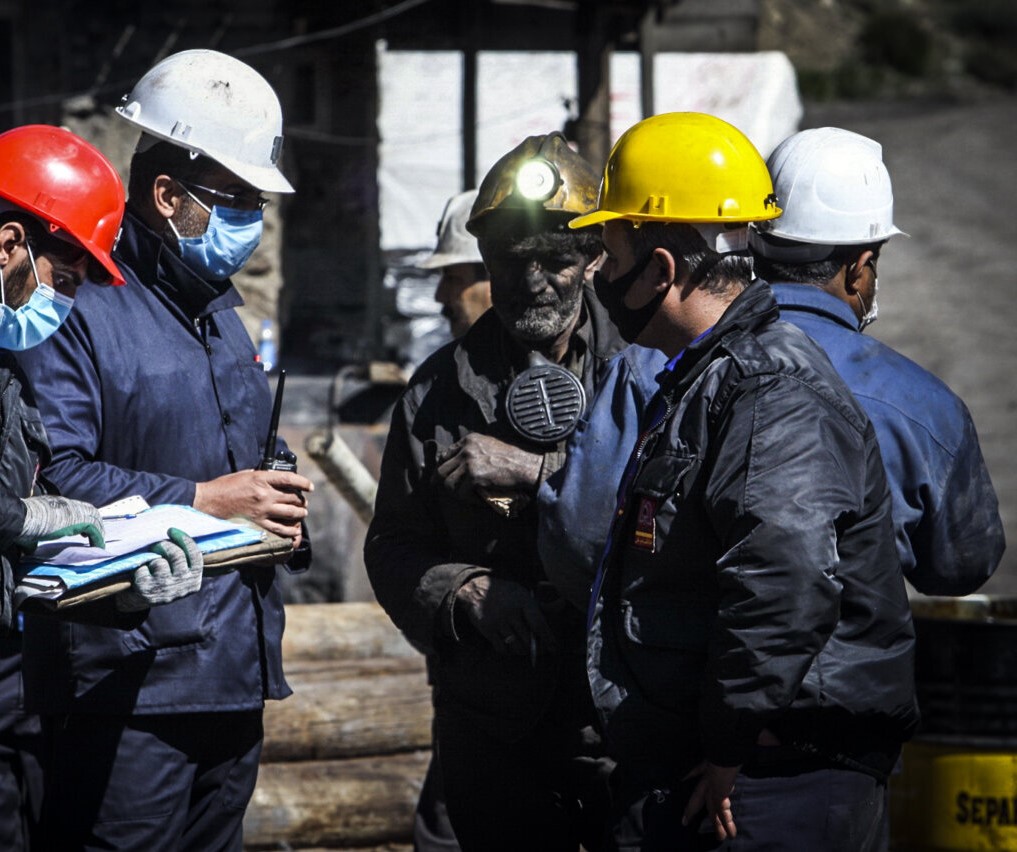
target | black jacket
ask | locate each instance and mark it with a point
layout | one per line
(424, 543)
(753, 580)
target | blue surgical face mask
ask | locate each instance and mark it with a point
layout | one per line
(35, 320)
(227, 244)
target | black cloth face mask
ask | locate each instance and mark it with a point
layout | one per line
(611, 293)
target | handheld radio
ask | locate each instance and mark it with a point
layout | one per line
(284, 459)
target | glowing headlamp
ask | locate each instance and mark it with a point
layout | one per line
(537, 180)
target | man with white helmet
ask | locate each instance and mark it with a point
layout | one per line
(155, 726)
(820, 259)
(464, 290)
(749, 640)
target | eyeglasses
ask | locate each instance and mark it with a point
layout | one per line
(238, 201)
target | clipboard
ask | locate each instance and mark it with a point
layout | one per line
(56, 577)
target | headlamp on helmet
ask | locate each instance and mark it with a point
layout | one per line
(541, 175)
(537, 180)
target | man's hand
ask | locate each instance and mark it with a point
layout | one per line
(479, 463)
(272, 499)
(174, 572)
(714, 792)
(48, 517)
(506, 615)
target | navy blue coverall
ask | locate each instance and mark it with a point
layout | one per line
(155, 720)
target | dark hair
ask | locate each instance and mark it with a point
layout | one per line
(562, 244)
(816, 272)
(709, 270)
(528, 233)
(40, 237)
(163, 158)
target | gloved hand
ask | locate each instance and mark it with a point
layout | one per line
(174, 572)
(506, 615)
(48, 517)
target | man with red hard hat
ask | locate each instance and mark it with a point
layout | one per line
(155, 389)
(61, 205)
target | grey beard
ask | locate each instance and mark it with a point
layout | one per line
(544, 322)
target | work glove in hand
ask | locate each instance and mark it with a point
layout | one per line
(506, 615)
(174, 572)
(48, 517)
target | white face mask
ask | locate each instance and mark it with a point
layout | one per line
(869, 316)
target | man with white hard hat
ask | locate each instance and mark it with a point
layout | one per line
(820, 259)
(155, 389)
(464, 290)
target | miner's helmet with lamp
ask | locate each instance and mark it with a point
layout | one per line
(542, 177)
(537, 187)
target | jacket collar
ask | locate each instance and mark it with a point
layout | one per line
(155, 265)
(813, 300)
(753, 308)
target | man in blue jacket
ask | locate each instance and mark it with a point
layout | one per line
(820, 259)
(155, 723)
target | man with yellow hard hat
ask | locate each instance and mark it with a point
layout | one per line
(749, 637)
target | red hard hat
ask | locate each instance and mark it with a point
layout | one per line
(67, 183)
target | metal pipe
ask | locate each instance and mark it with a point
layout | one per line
(344, 470)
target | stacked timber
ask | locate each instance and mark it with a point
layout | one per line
(346, 754)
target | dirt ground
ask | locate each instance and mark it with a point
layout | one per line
(948, 295)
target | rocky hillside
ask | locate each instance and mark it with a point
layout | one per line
(880, 48)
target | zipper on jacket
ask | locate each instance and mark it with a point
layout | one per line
(201, 327)
(619, 509)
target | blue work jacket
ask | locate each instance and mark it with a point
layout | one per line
(577, 502)
(946, 515)
(147, 389)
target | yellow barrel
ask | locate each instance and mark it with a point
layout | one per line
(957, 791)
(954, 798)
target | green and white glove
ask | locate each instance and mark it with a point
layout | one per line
(48, 517)
(174, 572)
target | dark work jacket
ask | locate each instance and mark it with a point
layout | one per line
(752, 580)
(424, 543)
(949, 533)
(147, 389)
(23, 448)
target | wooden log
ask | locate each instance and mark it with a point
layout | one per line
(341, 631)
(335, 804)
(349, 708)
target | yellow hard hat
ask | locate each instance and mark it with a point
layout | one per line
(542, 173)
(684, 167)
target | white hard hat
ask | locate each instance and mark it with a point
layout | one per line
(215, 105)
(455, 243)
(833, 189)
